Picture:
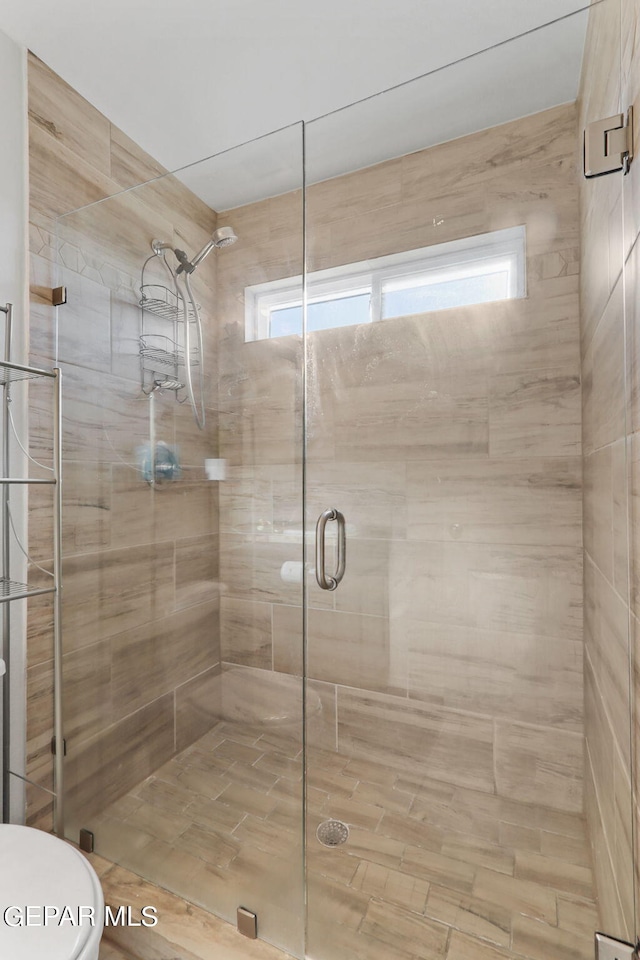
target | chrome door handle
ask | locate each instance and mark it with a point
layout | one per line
(325, 582)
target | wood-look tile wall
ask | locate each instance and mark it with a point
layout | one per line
(451, 441)
(609, 228)
(141, 606)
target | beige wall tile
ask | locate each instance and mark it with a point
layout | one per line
(39, 761)
(521, 589)
(197, 707)
(450, 420)
(495, 501)
(246, 633)
(622, 851)
(531, 679)
(66, 116)
(84, 325)
(536, 413)
(356, 651)
(116, 590)
(365, 588)
(607, 644)
(535, 767)
(130, 165)
(87, 509)
(370, 495)
(599, 96)
(287, 626)
(599, 508)
(151, 659)
(59, 179)
(629, 94)
(106, 766)
(603, 378)
(250, 569)
(85, 671)
(196, 570)
(184, 508)
(131, 513)
(576, 916)
(609, 905)
(456, 748)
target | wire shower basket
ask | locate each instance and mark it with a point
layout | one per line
(158, 350)
(163, 303)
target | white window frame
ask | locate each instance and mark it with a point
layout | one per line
(432, 264)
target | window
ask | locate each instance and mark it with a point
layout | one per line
(478, 269)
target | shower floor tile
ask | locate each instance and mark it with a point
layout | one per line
(429, 871)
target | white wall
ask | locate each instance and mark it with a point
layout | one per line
(14, 289)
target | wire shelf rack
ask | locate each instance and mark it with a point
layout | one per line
(12, 590)
(163, 303)
(13, 375)
(158, 350)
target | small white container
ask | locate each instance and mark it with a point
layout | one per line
(215, 469)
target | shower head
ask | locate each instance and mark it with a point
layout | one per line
(222, 237)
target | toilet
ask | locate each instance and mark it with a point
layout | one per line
(48, 894)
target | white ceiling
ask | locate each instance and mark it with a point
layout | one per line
(190, 78)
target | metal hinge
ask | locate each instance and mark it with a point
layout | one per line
(87, 840)
(53, 747)
(247, 923)
(608, 948)
(608, 145)
(59, 296)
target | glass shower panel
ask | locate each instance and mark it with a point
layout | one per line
(446, 786)
(183, 533)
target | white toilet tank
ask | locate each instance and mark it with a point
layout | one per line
(51, 903)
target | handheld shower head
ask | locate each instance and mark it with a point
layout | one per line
(222, 237)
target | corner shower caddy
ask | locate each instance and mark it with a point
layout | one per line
(11, 373)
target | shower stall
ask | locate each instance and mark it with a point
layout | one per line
(322, 558)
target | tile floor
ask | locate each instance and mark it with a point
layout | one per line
(109, 951)
(429, 870)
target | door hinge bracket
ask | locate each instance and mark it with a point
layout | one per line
(54, 748)
(247, 923)
(608, 145)
(609, 948)
(87, 840)
(59, 296)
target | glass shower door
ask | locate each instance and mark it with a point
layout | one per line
(183, 534)
(446, 786)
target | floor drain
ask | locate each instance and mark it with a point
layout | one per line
(332, 833)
